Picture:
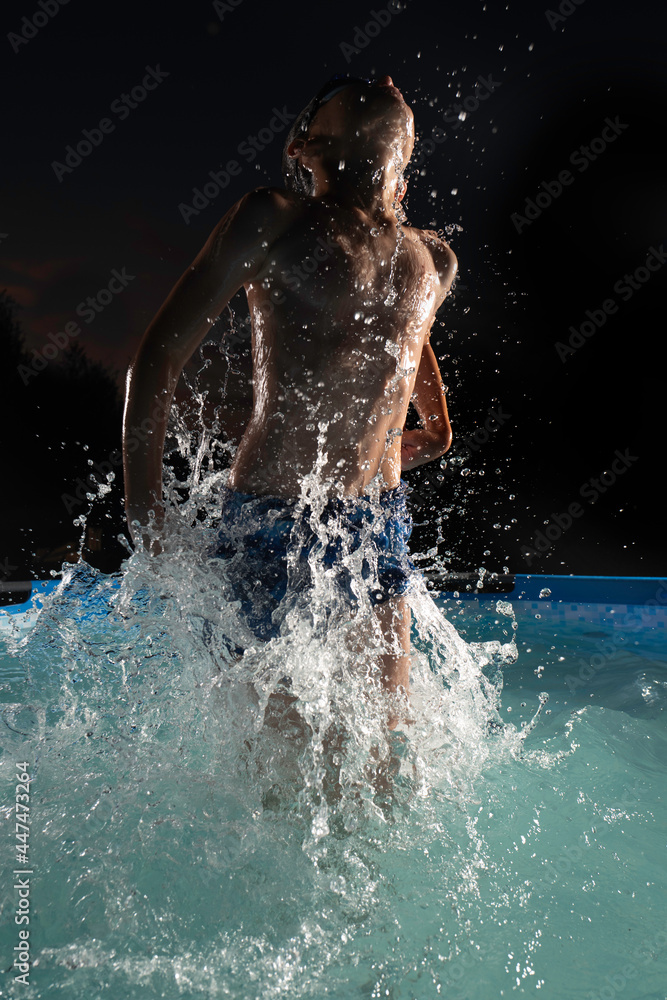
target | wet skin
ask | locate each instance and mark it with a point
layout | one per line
(341, 309)
(342, 298)
(335, 356)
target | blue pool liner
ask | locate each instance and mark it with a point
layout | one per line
(622, 590)
(571, 589)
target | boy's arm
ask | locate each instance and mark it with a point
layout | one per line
(232, 256)
(433, 439)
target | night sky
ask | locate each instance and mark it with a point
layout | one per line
(540, 155)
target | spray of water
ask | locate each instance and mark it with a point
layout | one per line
(183, 756)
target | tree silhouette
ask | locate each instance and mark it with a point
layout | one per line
(55, 422)
(11, 334)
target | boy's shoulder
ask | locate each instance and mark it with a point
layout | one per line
(264, 210)
(442, 255)
(277, 198)
(441, 251)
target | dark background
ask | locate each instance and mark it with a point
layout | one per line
(554, 84)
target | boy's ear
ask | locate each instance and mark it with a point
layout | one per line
(295, 148)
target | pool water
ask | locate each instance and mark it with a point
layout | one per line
(499, 844)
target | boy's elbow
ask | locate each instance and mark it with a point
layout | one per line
(445, 438)
(446, 442)
(440, 442)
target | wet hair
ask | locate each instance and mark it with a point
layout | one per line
(296, 178)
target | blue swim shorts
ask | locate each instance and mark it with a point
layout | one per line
(272, 547)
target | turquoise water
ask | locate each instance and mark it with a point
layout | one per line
(498, 845)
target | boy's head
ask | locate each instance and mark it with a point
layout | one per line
(350, 115)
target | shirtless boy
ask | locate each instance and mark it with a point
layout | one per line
(337, 358)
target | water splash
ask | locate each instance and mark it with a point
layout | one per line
(178, 756)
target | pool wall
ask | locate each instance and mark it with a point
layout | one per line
(22, 596)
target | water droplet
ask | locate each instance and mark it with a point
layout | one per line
(545, 592)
